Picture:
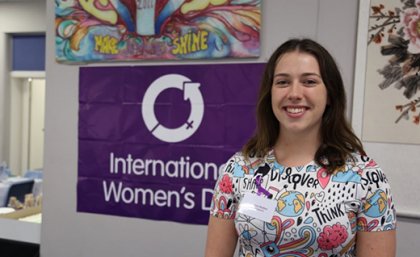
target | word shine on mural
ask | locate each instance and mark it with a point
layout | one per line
(117, 30)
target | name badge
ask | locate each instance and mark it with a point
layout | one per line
(257, 207)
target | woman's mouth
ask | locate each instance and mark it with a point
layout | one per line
(295, 110)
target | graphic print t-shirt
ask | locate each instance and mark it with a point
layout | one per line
(316, 214)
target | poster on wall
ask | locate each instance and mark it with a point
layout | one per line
(392, 88)
(129, 30)
(153, 139)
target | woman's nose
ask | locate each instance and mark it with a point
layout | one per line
(295, 91)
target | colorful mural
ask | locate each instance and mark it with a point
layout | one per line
(392, 73)
(119, 30)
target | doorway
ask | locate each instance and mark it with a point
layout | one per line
(27, 122)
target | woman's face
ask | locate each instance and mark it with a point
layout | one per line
(298, 94)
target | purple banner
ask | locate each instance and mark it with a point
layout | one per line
(152, 140)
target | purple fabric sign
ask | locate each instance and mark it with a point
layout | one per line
(152, 140)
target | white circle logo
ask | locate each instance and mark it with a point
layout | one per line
(191, 92)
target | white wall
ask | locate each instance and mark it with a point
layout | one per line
(15, 17)
(68, 233)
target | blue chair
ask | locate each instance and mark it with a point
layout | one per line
(19, 190)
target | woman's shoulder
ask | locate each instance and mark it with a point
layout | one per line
(362, 161)
(240, 157)
(365, 166)
(240, 164)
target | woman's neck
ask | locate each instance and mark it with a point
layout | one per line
(296, 150)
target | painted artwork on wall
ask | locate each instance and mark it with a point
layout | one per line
(129, 30)
(392, 88)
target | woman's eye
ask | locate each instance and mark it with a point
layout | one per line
(310, 82)
(282, 83)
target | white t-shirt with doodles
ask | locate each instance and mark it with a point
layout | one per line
(315, 214)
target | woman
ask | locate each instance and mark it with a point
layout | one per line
(302, 185)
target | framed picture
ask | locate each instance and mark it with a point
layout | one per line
(386, 105)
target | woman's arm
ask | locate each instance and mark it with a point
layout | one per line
(221, 238)
(376, 244)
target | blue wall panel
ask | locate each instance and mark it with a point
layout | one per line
(28, 53)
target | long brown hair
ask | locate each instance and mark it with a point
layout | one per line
(338, 139)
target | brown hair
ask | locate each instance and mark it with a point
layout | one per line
(338, 140)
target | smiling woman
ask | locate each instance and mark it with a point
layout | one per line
(313, 195)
